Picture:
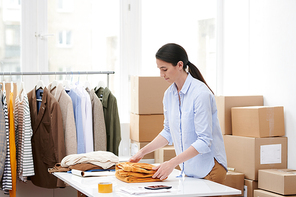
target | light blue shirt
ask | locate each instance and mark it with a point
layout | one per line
(194, 122)
(78, 121)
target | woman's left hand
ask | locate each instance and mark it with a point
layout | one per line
(163, 170)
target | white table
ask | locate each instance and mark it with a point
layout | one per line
(184, 186)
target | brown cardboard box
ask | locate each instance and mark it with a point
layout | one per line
(258, 121)
(262, 193)
(144, 128)
(136, 146)
(248, 154)
(165, 154)
(147, 94)
(250, 186)
(281, 181)
(224, 105)
(235, 180)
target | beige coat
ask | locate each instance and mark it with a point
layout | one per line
(68, 117)
(99, 128)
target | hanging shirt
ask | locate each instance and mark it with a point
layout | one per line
(12, 192)
(78, 120)
(68, 117)
(86, 117)
(99, 128)
(111, 117)
(6, 179)
(24, 132)
(39, 94)
(192, 121)
(3, 146)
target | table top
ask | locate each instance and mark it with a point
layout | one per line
(183, 186)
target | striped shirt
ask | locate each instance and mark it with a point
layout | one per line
(6, 179)
(2, 138)
(24, 132)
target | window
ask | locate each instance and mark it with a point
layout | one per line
(64, 39)
(86, 39)
(65, 5)
(10, 18)
(191, 23)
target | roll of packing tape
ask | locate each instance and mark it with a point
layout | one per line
(105, 187)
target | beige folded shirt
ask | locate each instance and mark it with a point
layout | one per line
(105, 159)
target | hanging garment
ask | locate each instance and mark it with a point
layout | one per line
(12, 193)
(2, 137)
(86, 117)
(48, 145)
(10, 87)
(111, 118)
(99, 128)
(6, 179)
(68, 117)
(24, 133)
(78, 120)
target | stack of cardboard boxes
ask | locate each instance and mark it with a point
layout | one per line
(253, 137)
(146, 117)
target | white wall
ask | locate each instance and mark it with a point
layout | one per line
(259, 56)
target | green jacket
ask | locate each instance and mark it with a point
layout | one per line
(111, 116)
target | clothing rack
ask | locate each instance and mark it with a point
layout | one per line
(61, 73)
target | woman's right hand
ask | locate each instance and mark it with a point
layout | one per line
(137, 157)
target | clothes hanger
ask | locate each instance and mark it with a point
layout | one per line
(86, 83)
(67, 84)
(55, 83)
(101, 84)
(3, 83)
(11, 83)
(21, 91)
(40, 84)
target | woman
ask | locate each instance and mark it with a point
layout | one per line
(191, 122)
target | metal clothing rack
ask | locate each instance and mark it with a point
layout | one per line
(61, 73)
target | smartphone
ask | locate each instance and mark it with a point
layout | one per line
(155, 187)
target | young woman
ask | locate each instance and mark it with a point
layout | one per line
(191, 121)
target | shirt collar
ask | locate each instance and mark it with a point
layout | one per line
(185, 85)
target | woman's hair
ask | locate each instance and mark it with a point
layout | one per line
(173, 53)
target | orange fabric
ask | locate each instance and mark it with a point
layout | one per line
(135, 172)
(136, 167)
(12, 193)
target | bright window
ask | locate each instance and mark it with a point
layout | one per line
(10, 20)
(190, 23)
(64, 39)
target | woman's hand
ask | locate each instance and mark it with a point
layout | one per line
(164, 170)
(137, 157)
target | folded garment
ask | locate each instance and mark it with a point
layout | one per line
(132, 179)
(136, 167)
(135, 172)
(79, 166)
(105, 159)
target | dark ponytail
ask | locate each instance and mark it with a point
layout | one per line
(194, 71)
(173, 53)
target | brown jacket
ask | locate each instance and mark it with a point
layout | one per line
(48, 145)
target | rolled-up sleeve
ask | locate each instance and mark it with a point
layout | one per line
(202, 123)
